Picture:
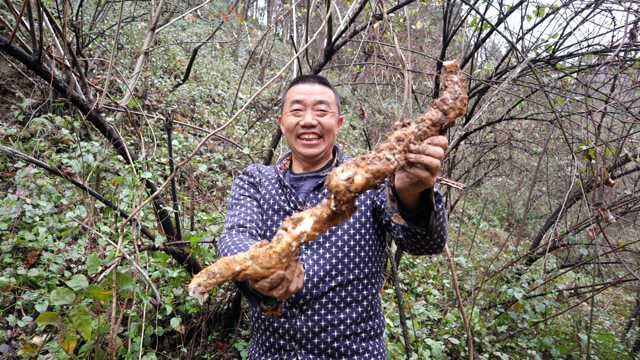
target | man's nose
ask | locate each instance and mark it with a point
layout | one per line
(308, 120)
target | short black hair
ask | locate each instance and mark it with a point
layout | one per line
(310, 79)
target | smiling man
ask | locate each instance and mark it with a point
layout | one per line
(310, 121)
(330, 297)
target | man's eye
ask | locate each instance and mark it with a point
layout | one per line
(321, 113)
(297, 112)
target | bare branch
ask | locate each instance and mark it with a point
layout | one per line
(142, 57)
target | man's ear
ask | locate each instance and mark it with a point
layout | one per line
(340, 121)
(279, 122)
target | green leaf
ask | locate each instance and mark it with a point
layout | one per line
(98, 293)
(125, 281)
(77, 282)
(134, 103)
(118, 180)
(69, 342)
(437, 348)
(5, 282)
(42, 306)
(541, 10)
(474, 22)
(175, 322)
(25, 321)
(82, 321)
(194, 239)
(61, 296)
(608, 152)
(590, 155)
(49, 318)
(93, 264)
(29, 350)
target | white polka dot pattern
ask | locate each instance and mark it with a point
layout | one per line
(338, 313)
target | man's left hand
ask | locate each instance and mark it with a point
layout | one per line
(424, 163)
(282, 284)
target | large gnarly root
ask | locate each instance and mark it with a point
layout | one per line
(366, 171)
(344, 184)
(265, 258)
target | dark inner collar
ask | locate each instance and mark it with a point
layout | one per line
(326, 167)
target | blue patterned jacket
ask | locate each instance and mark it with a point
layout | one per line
(338, 313)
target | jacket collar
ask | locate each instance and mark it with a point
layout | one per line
(284, 163)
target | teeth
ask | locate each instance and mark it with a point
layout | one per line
(309, 137)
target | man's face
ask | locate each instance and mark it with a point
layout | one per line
(310, 122)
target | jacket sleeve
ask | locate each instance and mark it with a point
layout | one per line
(244, 214)
(241, 229)
(422, 231)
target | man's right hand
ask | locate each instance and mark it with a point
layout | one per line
(282, 284)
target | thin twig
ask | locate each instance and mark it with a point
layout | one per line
(246, 66)
(401, 310)
(217, 136)
(194, 54)
(170, 22)
(144, 52)
(449, 182)
(463, 314)
(174, 190)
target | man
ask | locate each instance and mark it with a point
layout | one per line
(330, 297)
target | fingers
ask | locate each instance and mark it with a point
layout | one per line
(439, 141)
(424, 162)
(298, 280)
(427, 156)
(428, 150)
(281, 292)
(283, 284)
(267, 285)
(430, 163)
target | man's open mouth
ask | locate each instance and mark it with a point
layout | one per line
(309, 137)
